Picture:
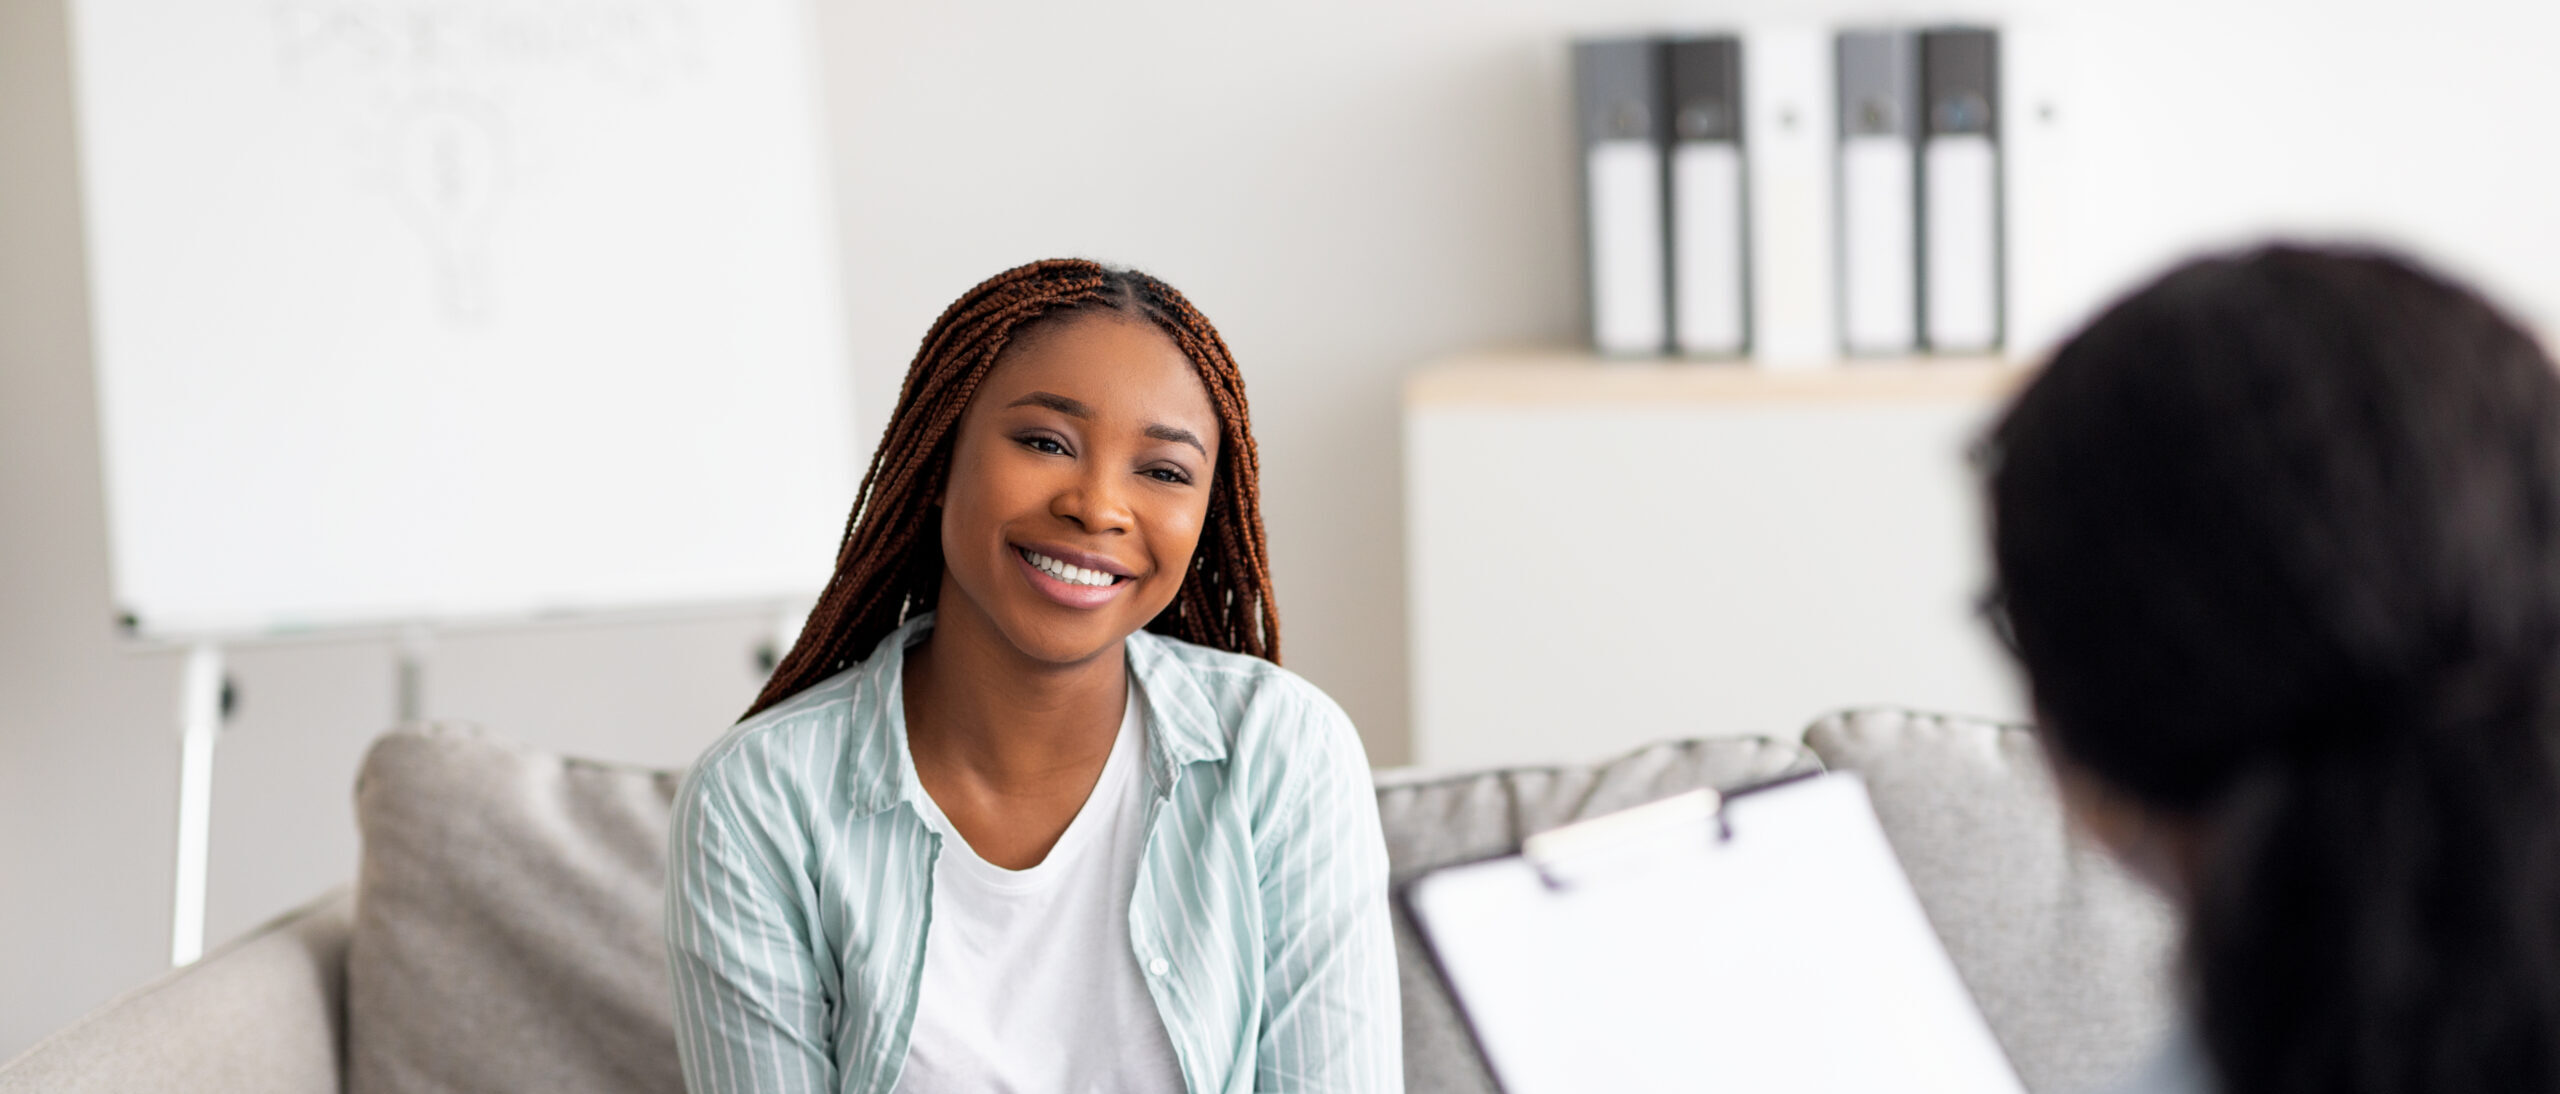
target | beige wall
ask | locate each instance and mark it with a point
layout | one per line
(87, 782)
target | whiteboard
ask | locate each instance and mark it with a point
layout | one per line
(414, 310)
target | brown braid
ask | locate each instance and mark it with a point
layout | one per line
(889, 565)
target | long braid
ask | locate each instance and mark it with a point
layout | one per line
(889, 563)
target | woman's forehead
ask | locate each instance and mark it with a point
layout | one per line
(1115, 365)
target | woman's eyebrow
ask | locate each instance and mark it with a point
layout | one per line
(1059, 403)
(1178, 436)
(1073, 409)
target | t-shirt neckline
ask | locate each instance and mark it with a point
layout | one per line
(1108, 788)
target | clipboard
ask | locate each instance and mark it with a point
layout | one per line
(1761, 941)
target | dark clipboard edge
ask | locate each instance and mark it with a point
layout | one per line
(1403, 896)
(1440, 968)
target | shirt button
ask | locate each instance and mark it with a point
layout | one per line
(1157, 967)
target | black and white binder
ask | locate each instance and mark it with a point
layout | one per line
(1878, 189)
(1961, 227)
(1710, 237)
(1618, 98)
(1708, 943)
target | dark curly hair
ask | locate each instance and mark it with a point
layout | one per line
(2278, 542)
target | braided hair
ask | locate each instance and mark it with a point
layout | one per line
(889, 565)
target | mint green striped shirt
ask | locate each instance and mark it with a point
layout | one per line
(800, 878)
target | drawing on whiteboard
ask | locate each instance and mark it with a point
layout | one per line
(448, 108)
(450, 166)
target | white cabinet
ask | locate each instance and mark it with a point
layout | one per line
(1603, 554)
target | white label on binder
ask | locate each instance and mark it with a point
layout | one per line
(1963, 244)
(1627, 311)
(1879, 300)
(1706, 247)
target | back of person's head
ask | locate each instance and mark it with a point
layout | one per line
(2278, 545)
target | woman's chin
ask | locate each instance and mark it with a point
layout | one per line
(1042, 636)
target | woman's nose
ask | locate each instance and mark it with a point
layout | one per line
(1094, 503)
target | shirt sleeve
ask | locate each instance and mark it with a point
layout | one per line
(751, 1007)
(1330, 1017)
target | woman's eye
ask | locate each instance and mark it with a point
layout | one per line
(1173, 475)
(1049, 445)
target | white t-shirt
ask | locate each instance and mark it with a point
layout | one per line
(1030, 982)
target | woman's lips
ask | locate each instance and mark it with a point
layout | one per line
(1068, 593)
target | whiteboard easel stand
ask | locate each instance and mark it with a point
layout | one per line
(201, 711)
(415, 643)
(199, 720)
(202, 708)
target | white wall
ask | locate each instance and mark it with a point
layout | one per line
(1346, 188)
(1692, 564)
(87, 777)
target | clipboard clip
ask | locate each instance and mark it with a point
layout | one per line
(1563, 855)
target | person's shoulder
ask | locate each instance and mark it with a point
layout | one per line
(1247, 689)
(1279, 730)
(782, 745)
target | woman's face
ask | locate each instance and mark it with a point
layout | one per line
(1079, 483)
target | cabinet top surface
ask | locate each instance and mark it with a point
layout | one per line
(1531, 377)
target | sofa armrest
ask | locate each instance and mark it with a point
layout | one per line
(264, 1013)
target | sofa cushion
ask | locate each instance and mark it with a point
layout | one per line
(1442, 821)
(258, 1015)
(508, 922)
(2066, 953)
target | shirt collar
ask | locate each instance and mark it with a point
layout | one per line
(1182, 724)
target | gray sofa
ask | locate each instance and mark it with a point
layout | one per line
(503, 931)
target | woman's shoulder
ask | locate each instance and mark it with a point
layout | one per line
(784, 745)
(1238, 685)
(1257, 712)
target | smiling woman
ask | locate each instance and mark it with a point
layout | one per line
(1031, 804)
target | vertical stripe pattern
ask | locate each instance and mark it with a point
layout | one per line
(800, 877)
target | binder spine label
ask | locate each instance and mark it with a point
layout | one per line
(1879, 302)
(1626, 246)
(1707, 284)
(1962, 228)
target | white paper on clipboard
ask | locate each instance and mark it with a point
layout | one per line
(1780, 951)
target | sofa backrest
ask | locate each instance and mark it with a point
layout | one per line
(2065, 952)
(507, 932)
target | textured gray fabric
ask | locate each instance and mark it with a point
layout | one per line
(262, 1014)
(1437, 822)
(2065, 952)
(507, 932)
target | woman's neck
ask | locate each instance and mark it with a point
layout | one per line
(979, 710)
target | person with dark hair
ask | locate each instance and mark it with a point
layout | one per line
(2277, 543)
(1031, 804)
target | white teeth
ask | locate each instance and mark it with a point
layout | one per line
(1072, 575)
